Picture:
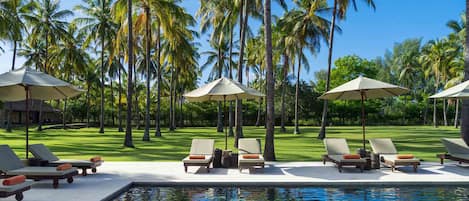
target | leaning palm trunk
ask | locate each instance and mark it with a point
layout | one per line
(230, 113)
(239, 104)
(259, 113)
(128, 133)
(219, 108)
(120, 129)
(456, 111)
(39, 127)
(171, 128)
(158, 84)
(284, 91)
(322, 131)
(113, 117)
(88, 105)
(297, 94)
(444, 113)
(435, 123)
(101, 120)
(146, 133)
(269, 151)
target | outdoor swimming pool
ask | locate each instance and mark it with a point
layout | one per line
(359, 193)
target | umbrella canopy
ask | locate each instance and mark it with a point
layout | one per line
(460, 91)
(222, 89)
(41, 86)
(26, 83)
(371, 88)
(362, 88)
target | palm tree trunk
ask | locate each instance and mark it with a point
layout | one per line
(137, 93)
(269, 148)
(113, 117)
(46, 59)
(120, 129)
(171, 128)
(322, 131)
(284, 91)
(435, 123)
(456, 111)
(220, 69)
(128, 133)
(239, 104)
(146, 133)
(8, 127)
(297, 94)
(88, 104)
(465, 103)
(64, 115)
(444, 113)
(230, 113)
(101, 121)
(259, 113)
(158, 84)
(14, 55)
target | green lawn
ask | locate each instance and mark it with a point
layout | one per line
(424, 142)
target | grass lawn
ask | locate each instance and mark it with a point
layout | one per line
(422, 141)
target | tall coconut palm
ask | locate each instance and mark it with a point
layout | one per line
(98, 24)
(339, 10)
(465, 104)
(48, 24)
(128, 131)
(436, 58)
(307, 29)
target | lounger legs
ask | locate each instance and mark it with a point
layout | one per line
(185, 168)
(55, 183)
(94, 170)
(70, 180)
(19, 196)
(83, 172)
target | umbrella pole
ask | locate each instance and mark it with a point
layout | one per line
(27, 120)
(363, 118)
(224, 122)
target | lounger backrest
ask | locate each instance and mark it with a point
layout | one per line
(249, 146)
(202, 146)
(40, 151)
(383, 146)
(8, 159)
(455, 145)
(336, 146)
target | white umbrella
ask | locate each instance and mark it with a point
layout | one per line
(362, 88)
(460, 91)
(26, 83)
(222, 89)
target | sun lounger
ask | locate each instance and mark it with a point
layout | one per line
(201, 154)
(389, 155)
(457, 150)
(337, 149)
(249, 153)
(16, 190)
(41, 152)
(11, 165)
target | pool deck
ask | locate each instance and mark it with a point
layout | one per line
(113, 176)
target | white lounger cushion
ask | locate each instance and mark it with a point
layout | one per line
(207, 159)
(393, 157)
(40, 171)
(340, 158)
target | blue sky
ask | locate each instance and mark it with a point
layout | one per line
(366, 33)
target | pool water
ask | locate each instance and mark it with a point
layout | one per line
(368, 193)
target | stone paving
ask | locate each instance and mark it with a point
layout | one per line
(113, 176)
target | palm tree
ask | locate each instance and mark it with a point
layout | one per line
(306, 29)
(49, 25)
(269, 151)
(436, 58)
(98, 26)
(465, 104)
(339, 10)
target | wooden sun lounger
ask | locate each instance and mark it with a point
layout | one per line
(11, 165)
(200, 147)
(336, 148)
(249, 146)
(41, 152)
(457, 150)
(16, 190)
(389, 155)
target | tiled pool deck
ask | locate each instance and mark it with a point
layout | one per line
(113, 176)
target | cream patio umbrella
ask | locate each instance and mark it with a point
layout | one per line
(26, 83)
(222, 89)
(460, 91)
(363, 88)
